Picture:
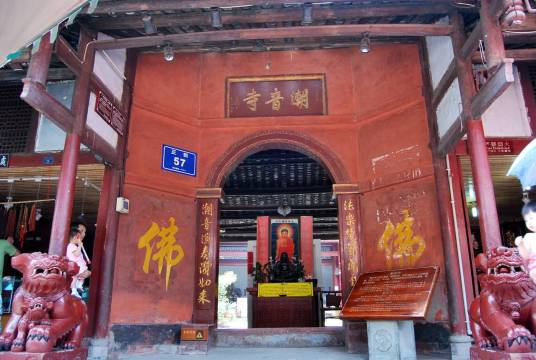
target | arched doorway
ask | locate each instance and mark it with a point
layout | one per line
(267, 189)
(347, 204)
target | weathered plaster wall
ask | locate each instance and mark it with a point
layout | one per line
(376, 127)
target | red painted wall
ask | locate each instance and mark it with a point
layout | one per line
(376, 126)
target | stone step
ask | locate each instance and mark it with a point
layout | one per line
(279, 337)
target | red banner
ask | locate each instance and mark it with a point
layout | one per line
(499, 146)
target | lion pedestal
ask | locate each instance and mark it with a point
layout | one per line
(45, 316)
(503, 317)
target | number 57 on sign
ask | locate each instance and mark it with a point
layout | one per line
(179, 160)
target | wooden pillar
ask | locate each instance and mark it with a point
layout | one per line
(206, 256)
(66, 184)
(492, 32)
(466, 243)
(98, 247)
(63, 205)
(448, 231)
(349, 219)
(457, 313)
(485, 195)
(40, 61)
(107, 262)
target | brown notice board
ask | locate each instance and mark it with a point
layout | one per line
(394, 294)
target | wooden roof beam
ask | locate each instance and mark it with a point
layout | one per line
(492, 89)
(68, 56)
(528, 54)
(411, 30)
(444, 84)
(54, 74)
(469, 45)
(129, 6)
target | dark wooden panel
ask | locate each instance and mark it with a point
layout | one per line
(285, 311)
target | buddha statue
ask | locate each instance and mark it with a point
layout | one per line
(285, 270)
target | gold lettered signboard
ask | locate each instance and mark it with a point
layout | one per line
(395, 294)
(286, 289)
(284, 95)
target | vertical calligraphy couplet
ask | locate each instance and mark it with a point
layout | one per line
(206, 256)
(349, 235)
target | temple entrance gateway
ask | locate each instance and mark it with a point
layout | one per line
(281, 144)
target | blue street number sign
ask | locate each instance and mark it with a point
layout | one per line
(179, 160)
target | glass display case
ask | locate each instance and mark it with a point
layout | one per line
(9, 286)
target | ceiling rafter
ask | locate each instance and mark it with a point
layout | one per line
(253, 16)
(131, 6)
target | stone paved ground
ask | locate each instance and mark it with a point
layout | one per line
(225, 353)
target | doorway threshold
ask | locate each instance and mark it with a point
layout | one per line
(280, 337)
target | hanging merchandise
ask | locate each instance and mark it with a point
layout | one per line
(86, 184)
(33, 212)
(19, 210)
(23, 229)
(32, 218)
(3, 222)
(11, 222)
(38, 214)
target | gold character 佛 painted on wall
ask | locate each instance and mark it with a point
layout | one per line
(402, 247)
(167, 249)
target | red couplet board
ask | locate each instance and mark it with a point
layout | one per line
(394, 294)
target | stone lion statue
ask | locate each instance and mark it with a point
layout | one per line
(44, 314)
(504, 315)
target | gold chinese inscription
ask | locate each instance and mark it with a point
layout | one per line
(351, 240)
(251, 99)
(279, 95)
(275, 99)
(205, 265)
(167, 250)
(300, 98)
(399, 243)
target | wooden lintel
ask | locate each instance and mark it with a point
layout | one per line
(471, 44)
(99, 146)
(36, 96)
(339, 189)
(129, 6)
(209, 193)
(410, 30)
(448, 77)
(518, 55)
(492, 89)
(453, 135)
(68, 55)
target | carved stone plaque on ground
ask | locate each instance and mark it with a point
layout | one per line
(394, 294)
